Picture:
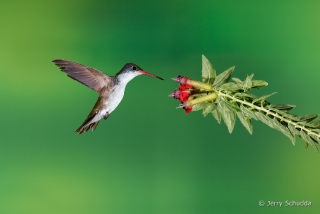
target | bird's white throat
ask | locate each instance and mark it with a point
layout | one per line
(124, 78)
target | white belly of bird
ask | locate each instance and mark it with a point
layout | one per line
(114, 99)
(112, 102)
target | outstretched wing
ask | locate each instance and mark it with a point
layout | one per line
(90, 77)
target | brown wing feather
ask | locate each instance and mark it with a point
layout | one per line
(90, 77)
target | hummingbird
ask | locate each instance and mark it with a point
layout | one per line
(110, 88)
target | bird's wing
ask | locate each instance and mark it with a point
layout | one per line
(90, 77)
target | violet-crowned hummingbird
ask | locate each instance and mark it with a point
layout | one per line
(110, 88)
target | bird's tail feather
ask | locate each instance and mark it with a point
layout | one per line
(91, 122)
(86, 127)
(88, 123)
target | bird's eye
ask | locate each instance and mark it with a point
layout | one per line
(134, 68)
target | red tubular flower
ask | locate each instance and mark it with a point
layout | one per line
(185, 87)
(183, 96)
(187, 109)
(182, 93)
(191, 87)
(188, 87)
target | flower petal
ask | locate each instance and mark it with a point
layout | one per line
(184, 87)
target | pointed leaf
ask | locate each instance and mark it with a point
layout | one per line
(282, 107)
(223, 77)
(315, 139)
(216, 115)
(232, 106)
(248, 83)
(208, 72)
(245, 96)
(246, 122)
(278, 126)
(229, 117)
(198, 107)
(315, 124)
(209, 108)
(294, 132)
(308, 140)
(308, 118)
(230, 86)
(263, 98)
(286, 114)
(248, 113)
(258, 83)
(238, 81)
(305, 144)
(265, 119)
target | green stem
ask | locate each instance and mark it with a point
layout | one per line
(268, 112)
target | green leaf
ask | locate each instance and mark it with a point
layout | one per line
(248, 113)
(209, 108)
(282, 107)
(305, 144)
(258, 83)
(223, 77)
(263, 98)
(246, 122)
(315, 124)
(286, 114)
(293, 131)
(265, 119)
(238, 81)
(248, 83)
(229, 117)
(308, 118)
(232, 106)
(315, 139)
(245, 96)
(208, 72)
(216, 115)
(198, 107)
(307, 139)
(275, 124)
(230, 86)
(278, 126)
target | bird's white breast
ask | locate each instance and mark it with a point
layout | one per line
(117, 92)
(115, 98)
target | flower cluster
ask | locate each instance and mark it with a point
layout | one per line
(183, 92)
(188, 90)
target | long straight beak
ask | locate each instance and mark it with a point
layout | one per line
(151, 75)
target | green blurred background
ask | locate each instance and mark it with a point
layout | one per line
(149, 157)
